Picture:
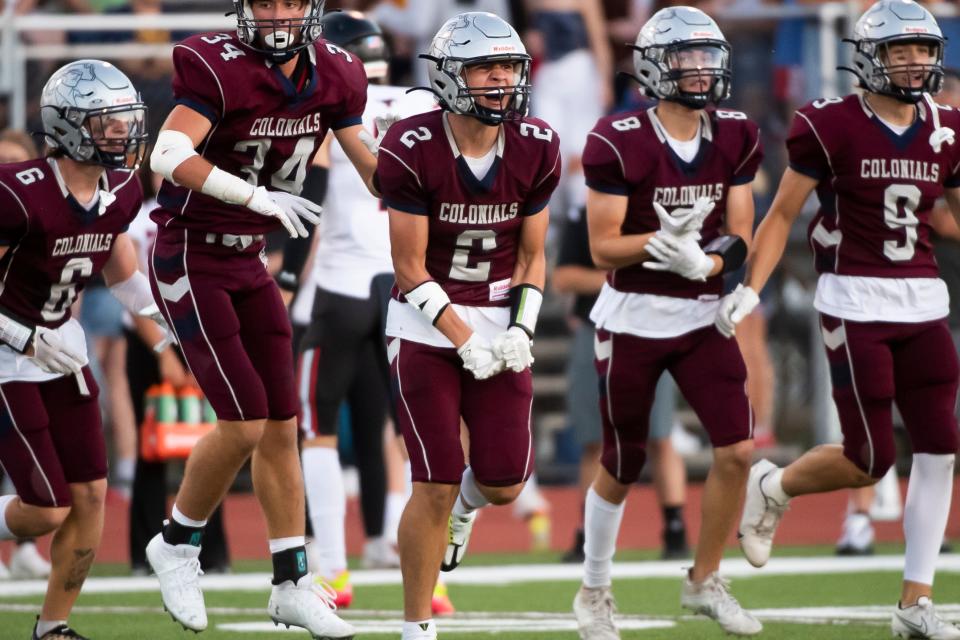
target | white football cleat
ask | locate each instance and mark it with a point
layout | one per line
(309, 605)
(458, 532)
(26, 563)
(594, 609)
(857, 537)
(761, 515)
(379, 553)
(178, 569)
(921, 621)
(713, 599)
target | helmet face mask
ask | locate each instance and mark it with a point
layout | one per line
(280, 39)
(473, 40)
(681, 56)
(883, 39)
(93, 115)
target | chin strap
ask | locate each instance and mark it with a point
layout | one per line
(940, 134)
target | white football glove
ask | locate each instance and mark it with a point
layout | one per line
(381, 124)
(53, 355)
(478, 357)
(734, 307)
(287, 208)
(683, 257)
(153, 312)
(685, 222)
(513, 347)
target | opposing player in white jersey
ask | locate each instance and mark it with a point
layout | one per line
(344, 301)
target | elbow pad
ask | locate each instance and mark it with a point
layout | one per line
(170, 151)
(134, 293)
(731, 249)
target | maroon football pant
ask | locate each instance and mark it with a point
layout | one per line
(432, 391)
(708, 370)
(230, 321)
(873, 365)
(51, 437)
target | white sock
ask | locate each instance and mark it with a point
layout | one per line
(772, 485)
(392, 511)
(45, 626)
(5, 533)
(925, 514)
(407, 481)
(282, 544)
(417, 630)
(470, 498)
(323, 482)
(124, 468)
(178, 517)
(601, 526)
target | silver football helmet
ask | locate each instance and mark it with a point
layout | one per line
(93, 113)
(471, 39)
(680, 43)
(280, 39)
(888, 23)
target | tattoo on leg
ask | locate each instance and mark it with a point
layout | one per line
(79, 568)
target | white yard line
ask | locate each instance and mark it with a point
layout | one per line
(511, 574)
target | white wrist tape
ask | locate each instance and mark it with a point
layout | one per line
(429, 298)
(133, 293)
(15, 333)
(227, 187)
(170, 151)
(525, 302)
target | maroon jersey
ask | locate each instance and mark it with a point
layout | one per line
(626, 154)
(54, 245)
(263, 129)
(876, 188)
(474, 223)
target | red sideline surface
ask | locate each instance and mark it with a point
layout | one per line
(811, 520)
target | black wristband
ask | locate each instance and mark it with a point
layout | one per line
(731, 249)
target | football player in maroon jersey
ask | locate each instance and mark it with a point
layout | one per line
(252, 109)
(467, 188)
(882, 305)
(64, 221)
(669, 210)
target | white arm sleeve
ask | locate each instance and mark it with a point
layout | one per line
(170, 151)
(133, 293)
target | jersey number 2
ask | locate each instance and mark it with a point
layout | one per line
(459, 268)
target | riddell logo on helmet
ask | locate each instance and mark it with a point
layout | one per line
(503, 48)
(702, 34)
(916, 30)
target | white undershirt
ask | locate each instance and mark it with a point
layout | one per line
(480, 166)
(896, 128)
(686, 149)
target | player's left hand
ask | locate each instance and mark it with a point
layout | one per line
(513, 347)
(153, 312)
(381, 125)
(478, 357)
(685, 222)
(734, 307)
(683, 257)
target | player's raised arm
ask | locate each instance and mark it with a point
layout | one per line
(609, 248)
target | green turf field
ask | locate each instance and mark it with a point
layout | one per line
(859, 604)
